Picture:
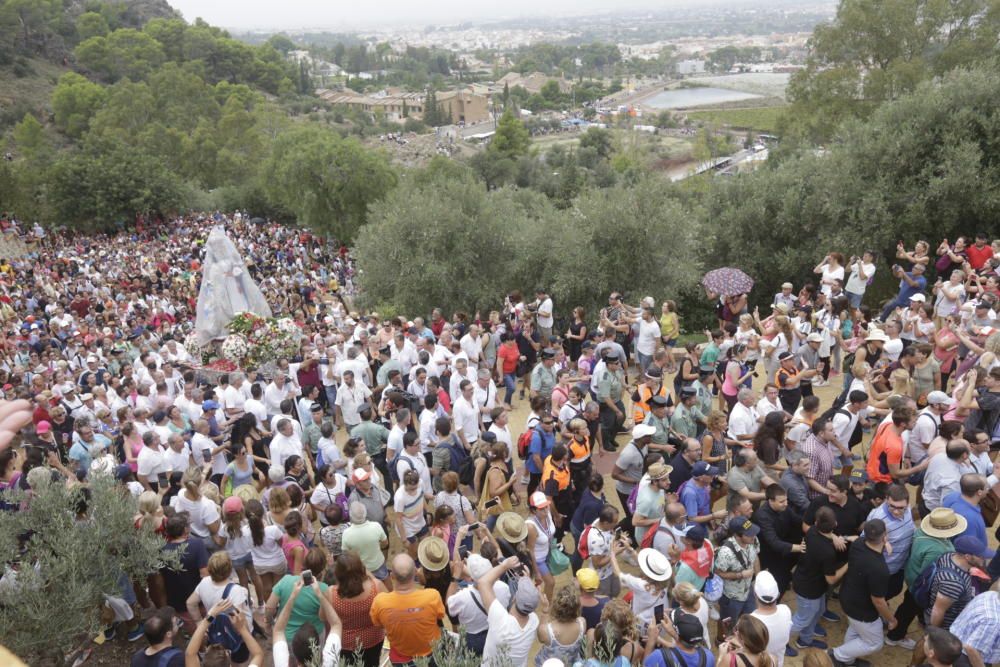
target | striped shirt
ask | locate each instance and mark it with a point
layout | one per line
(899, 532)
(979, 626)
(954, 583)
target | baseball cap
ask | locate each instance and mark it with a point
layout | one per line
(209, 405)
(539, 500)
(689, 628)
(43, 427)
(859, 476)
(588, 579)
(814, 338)
(743, 526)
(918, 297)
(969, 544)
(696, 533)
(765, 587)
(232, 504)
(360, 475)
(478, 566)
(785, 355)
(642, 430)
(122, 472)
(526, 598)
(939, 398)
(702, 468)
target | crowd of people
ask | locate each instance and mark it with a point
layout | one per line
(371, 498)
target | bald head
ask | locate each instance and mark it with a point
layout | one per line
(403, 568)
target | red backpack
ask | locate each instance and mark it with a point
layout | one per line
(581, 548)
(524, 442)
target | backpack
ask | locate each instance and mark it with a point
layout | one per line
(165, 656)
(222, 631)
(672, 657)
(922, 586)
(524, 442)
(461, 463)
(582, 549)
(392, 466)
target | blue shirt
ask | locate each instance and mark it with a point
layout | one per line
(681, 657)
(973, 516)
(899, 532)
(588, 509)
(695, 499)
(541, 444)
(906, 290)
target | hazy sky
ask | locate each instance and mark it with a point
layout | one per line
(348, 15)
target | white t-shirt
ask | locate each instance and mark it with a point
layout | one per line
(324, 496)
(779, 628)
(643, 602)
(269, 552)
(472, 347)
(177, 461)
(257, 409)
(466, 419)
(201, 512)
(742, 421)
(283, 446)
(855, 285)
(427, 431)
(507, 642)
(411, 509)
(330, 451)
(545, 307)
(830, 274)
(239, 546)
(418, 463)
(211, 592)
(892, 349)
(599, 544)
(234, 399)
(649, 337)
(463, 606)
(150, 463)
(199, 443)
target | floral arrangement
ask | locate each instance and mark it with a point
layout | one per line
(255, 340)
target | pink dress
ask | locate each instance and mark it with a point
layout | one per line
(288, 544)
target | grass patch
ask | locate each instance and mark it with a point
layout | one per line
(761, 119)
(29, 93)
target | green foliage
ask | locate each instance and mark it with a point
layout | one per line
(877, 50)
(455, 244)
(122, 54)
(91, 24)
(107, 182)
(764, 119)
(597, 139)
(921, 167)
(511, 139)
(75, 101)
(69, 564)
(723, 59)
(327, 181)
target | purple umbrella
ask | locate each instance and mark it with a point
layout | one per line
(727, 282)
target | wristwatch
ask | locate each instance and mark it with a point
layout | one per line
(210, 619)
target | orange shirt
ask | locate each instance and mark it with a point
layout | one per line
(887, 447)
(410, 621)
(511, 356)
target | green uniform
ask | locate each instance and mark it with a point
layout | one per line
(685, 420)
(704, 397)
(662, 427)
(382, 377)
(543, 380)
(374, 435)
(311, 434)
(611, 385)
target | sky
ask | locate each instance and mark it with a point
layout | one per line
(344, 15)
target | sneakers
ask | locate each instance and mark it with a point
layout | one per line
(109, 632)
(816, 643)
(904, 643)
(819, 631)
(138, 633)
(831, 616)
(833, 659)
(790, 652)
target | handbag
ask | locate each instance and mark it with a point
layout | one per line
(713, 588)
(557, 561)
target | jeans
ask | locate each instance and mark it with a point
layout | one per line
(854, 299)
(862, 638)
(644, 360)
(893, 305)
(510, 384)
(807, 615)
(729, 608)
(331, 395)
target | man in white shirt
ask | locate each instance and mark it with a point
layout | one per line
(426, 427)
(472, 346)
(862, 271)
(351, 395)
(770, 402)
(845, 422)
(484, 396)
(979, 461)
(404, 352)
(600, 541)
(394, 444)
(190, 402)
(150, 463)
(410, 458)
(744, 419)
(465, 415)
(461, 372)
(543, 303)
(255, 406)
(177, 456)
(512, 629)
(357, 363)
(926, 428)
(944, 474)
(200, 442)
(285, 443)
(233, 398)
(418, 385)
(277, 391)
(500, 428)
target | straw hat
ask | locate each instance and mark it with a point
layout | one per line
(511, 527)
(943, 522)
(433, 554)
(655, 565)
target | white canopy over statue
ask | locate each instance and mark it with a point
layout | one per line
(226, 289)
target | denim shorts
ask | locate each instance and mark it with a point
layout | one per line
(243, 561)
(543, 567)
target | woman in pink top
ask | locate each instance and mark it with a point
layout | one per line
(133, 445)
(946, 348)
(292, 545)
(736, 374)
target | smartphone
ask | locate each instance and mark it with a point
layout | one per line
(475, 526)
(463, 553)
(727, 626)
(162, 480)
(492, 502)
(307, 577)
(206, 454)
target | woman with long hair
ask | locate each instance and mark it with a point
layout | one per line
(497, 482)
(352, 598)
(770, 438)
(246, 432)
(236, 539)
(946, 344)
(748, 644)
(203, 513)
(737, 372)
(240, 471)
(576, 334)
(268, 557)
(292, 544)
(565, 635)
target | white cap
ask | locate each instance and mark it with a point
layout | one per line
(918, 297)
(939, 398)
(765, 587)
(642, 430)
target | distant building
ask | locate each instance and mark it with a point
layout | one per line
(686, 67)
(533, 82)
(464, 105)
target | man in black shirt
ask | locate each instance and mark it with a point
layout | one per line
(683, 463)
(846, 508)
(816, 572)
(863, 597)
(780, 536)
